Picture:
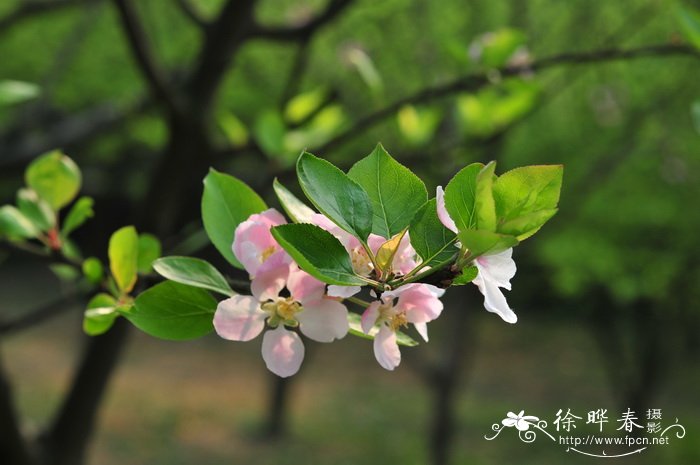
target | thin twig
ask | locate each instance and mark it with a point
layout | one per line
(40, 314)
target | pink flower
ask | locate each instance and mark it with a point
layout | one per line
(243, 317)
(253, 244)
(403, 262)
(413, 303)
(495, 270)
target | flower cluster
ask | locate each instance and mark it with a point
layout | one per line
(287, 301)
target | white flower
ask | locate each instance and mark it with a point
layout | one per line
(520, 421)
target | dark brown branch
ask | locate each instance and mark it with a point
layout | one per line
(191, 13)
(13, 447)
(29, 9)
(39, 314)
(472, 82)
(303, 31)
(141, 50)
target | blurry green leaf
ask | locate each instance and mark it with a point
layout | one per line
(695, 113)
(193, 272)
(481, 242)
(13, 92)
(149, 250)
(433, 242)
(494, 49)
(55, 178)
(524, 191)
(123, 257)
(233, 128)
(365, 67)
(418, 125)
(269, 131)
(460, 197)
(317, 252)
(77, 215)
(14, 224)
(395, 192)
(304, 105)
(484, 206)
(355, 323)
(690, 24)
(64, 271)
(35, 209)
(317, 131)
(295, 208)
(227, 202)
(100, 314)
(336, 195)
(174, 311)
(466, 276)
(70, 250)
(93, 270)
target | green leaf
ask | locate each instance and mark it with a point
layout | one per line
(302, 106)
(123, 257)
(690, 23)
(295, 208)
(433, 242)
(317, 252)
(227, 202)
(233, 128)
(35, 209)
(395, 192)
(193, 272)
(460, 197)
(174, 311)
(525, 226)
(269, 131)
(335, 195)
(695, 114)
(93, 270)
(64, 271)
(484, 205)
(386, 252)
(466, 276)
(100, 314)
(13, 92)
(355, 328)
(77, 215)
(149, 251)
(497, 47)
(55, 177)
(481, 242)
(14, 224)
(527, 190)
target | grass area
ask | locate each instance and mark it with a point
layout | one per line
(204, 401)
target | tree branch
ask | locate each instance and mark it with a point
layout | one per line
(13, 447)
(303, 31)
(39, 314)
(28, 9)
(141, 50)
(191, 13)
(473, 82)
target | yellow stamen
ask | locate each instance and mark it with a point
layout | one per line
(267, 252)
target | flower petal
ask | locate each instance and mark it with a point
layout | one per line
(522, 425)
(252, 239)
(422, 329)
(386, 350)
(420, 302)
(342, 291)
(442, 211)
(509, 422)
(304, 287)
(499, 268)
(282, 351)
(324, 320)
(239, 318)
(494, 300)
(369, 317)
(267, 284)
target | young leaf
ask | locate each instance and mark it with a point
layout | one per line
(77, 215)
(481, 242)
(526, 190)
(149, 250)
(460, 197)
(690, 23)
(395, 192)
(466, 276)
(317, 252)
(484, 205)
(13, 92)
(355, 328)
(193, 272)
(433, 242)
(93, 270)
(123, 257)
(525, 226)
(387, 251)
(14, 223)
(55, 178)
(295, 208)
(174, 311)
(35, 209)
(100, 314)
(227, 202)
(335, 195)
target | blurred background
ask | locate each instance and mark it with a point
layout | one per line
(146, 95)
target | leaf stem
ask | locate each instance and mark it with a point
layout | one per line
(360, 302)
